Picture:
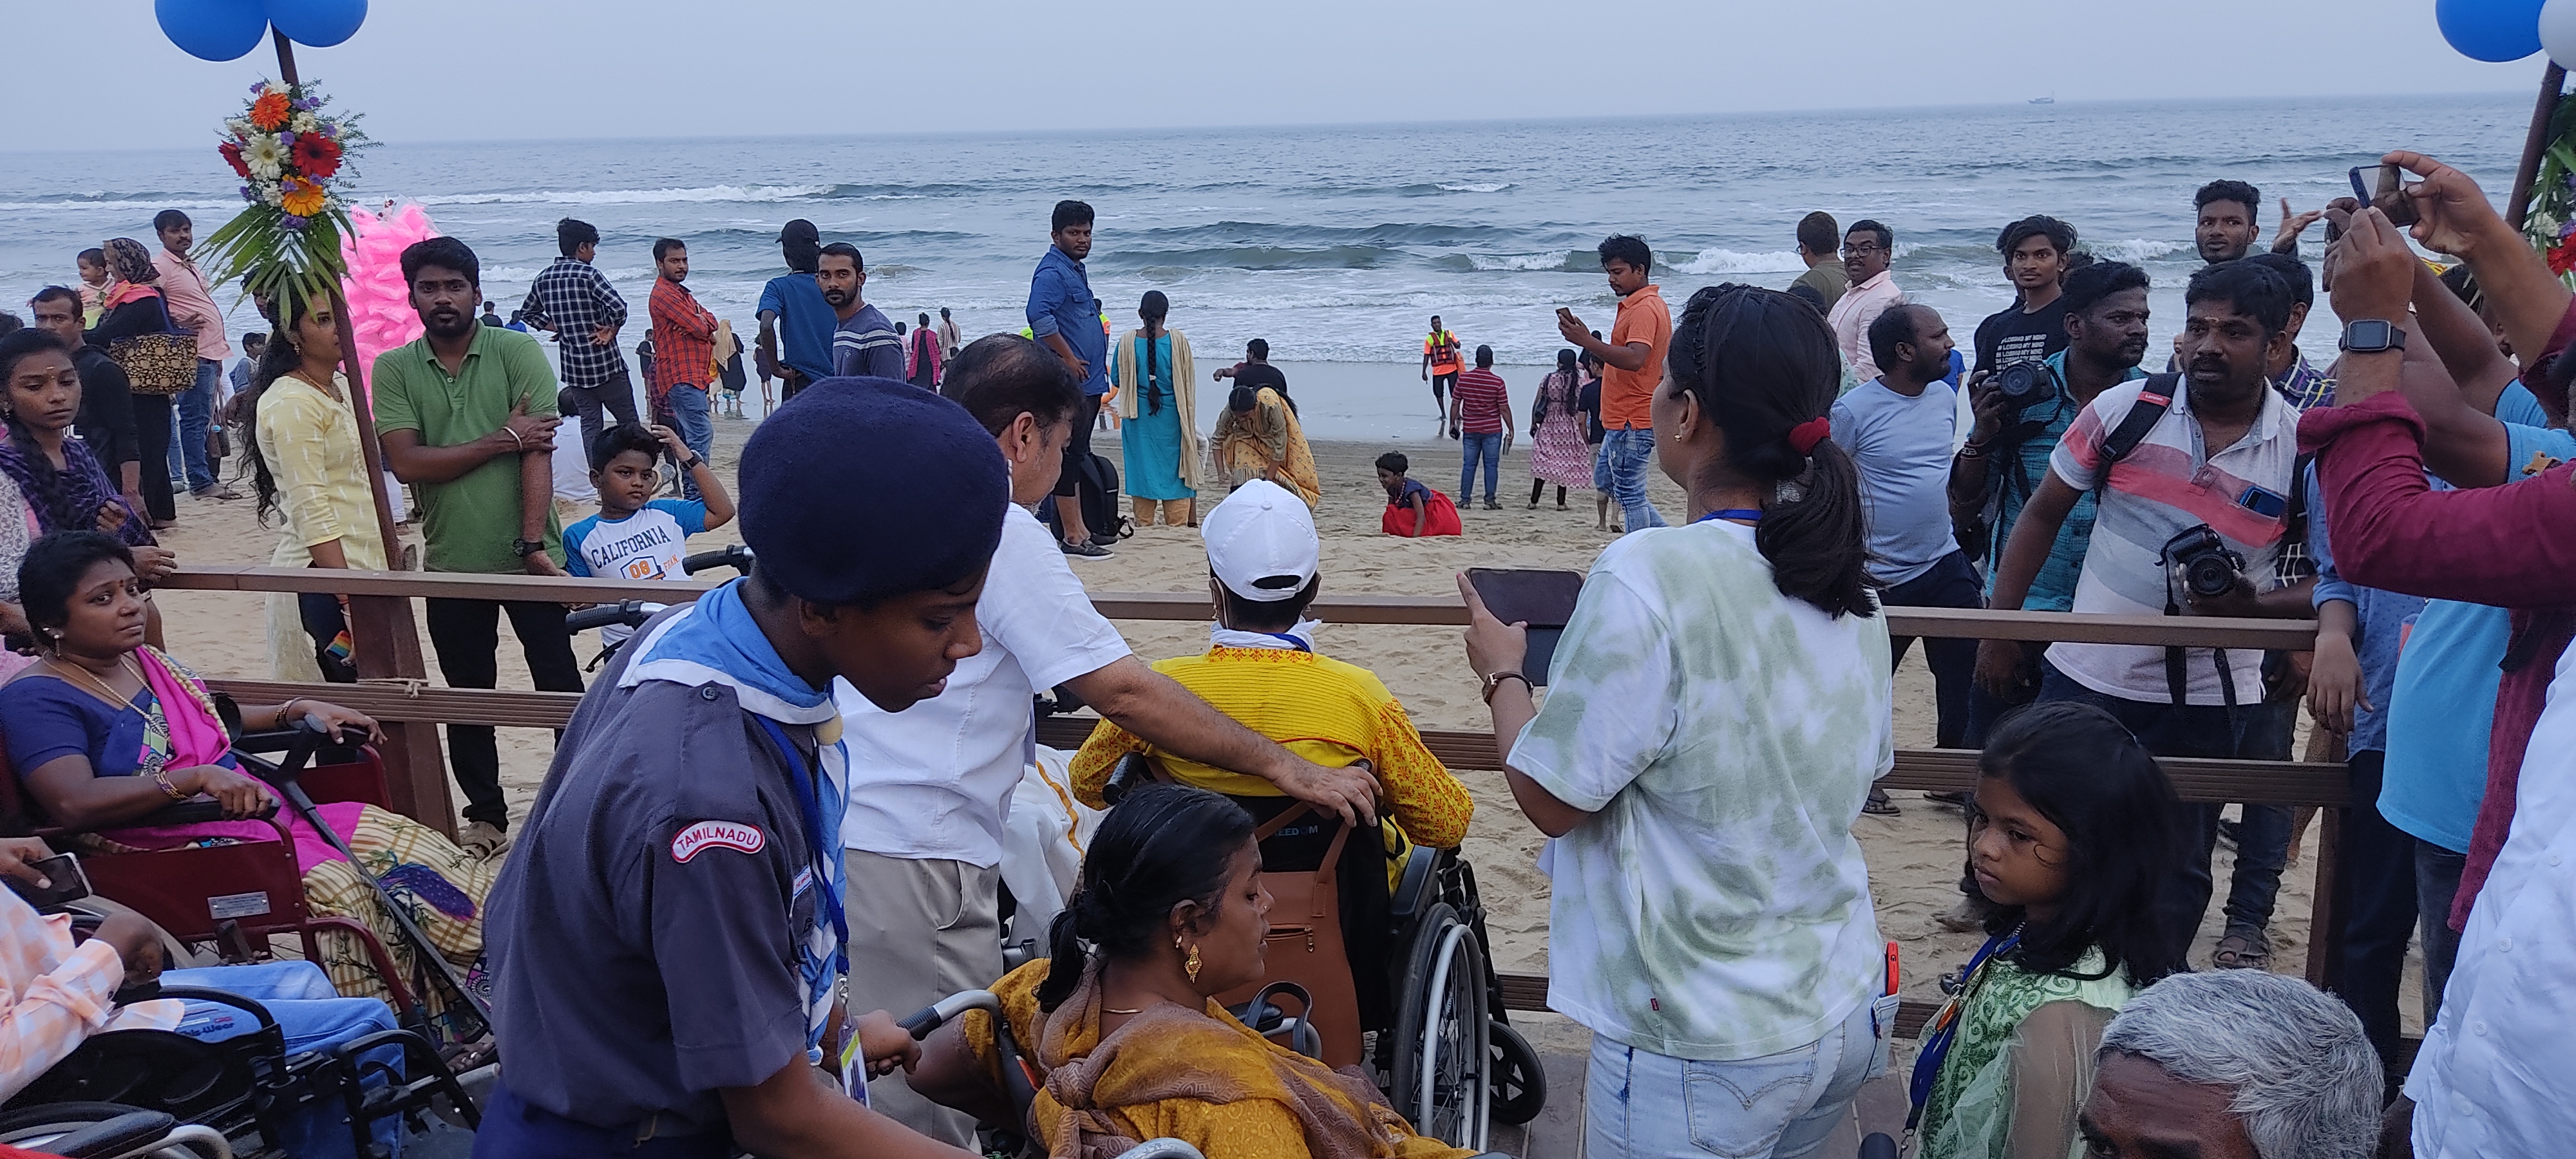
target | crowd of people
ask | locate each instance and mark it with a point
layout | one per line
(785, 802)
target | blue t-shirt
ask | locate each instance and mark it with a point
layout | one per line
(2442, 708)
(1061, 303)
(1902, 445)
(2382, 616)
(2016, 477)
(865, 345)
(805, 323)
(2518, 406)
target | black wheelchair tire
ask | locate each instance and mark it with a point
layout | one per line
(1415, 1013)
(54, 1120)
(1519, 1079)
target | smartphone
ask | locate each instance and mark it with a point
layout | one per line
(2384, 186)
(63, 870)
(1542, 599)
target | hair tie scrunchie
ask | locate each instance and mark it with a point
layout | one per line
(1804, 436)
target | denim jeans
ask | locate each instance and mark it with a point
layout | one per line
(1950, 584)
(313, 1016)
(1986, 710)
(2246, 732)
(2375, 904)
(1475, 447)
(2437, 885)
(689, 410)
(594, 405)
(196, 407)
(1641, 1105)
(1630, 454)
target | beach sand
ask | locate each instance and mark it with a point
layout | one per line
(1914, 859)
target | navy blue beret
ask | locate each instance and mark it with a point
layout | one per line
(861, 489)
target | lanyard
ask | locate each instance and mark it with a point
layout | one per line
(809, 805)
(1944, 1026)
(1732, 513)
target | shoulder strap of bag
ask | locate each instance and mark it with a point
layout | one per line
(2154, 399)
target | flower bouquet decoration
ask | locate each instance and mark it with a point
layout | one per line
(293, 158)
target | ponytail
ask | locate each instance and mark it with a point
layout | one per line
(1764, 368)
(1162, 845)
(1067, 959)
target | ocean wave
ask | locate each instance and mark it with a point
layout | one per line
(1726, 261)
(720, 193)
(155, 201)
(2135, 249)
(1248, 257)
(1573, 262)
(1477, 187)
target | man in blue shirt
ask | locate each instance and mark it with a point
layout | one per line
(794, 315)
(1064, 316)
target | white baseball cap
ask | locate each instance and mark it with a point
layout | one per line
(1261, 542)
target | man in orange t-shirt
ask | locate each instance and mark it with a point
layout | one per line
(1440, 365)
(1633, 365)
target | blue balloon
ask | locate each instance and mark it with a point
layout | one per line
(2490, 30)
(212, 29)
(323, 23)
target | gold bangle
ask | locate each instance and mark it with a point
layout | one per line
(163, 779)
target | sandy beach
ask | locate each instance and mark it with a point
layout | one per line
(1914, 859)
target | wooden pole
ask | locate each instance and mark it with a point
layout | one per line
(381, 629)
(2535, 143)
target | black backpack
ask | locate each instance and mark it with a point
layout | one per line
(1095, 489)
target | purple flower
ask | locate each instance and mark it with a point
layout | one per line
(257, 87)
(249, 194)
(292, 222)
(2566, 231)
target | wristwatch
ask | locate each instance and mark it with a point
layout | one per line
(2371, 336)
(691, 463)
(1494, 682)
(527, 547)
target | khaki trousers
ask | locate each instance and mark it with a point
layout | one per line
(920, 930)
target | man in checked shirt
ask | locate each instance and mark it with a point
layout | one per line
(576, 302)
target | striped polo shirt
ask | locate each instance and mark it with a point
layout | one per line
(2169, 484)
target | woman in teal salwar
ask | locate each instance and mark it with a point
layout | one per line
(1158, 424)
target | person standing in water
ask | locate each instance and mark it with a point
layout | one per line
(1440, 366)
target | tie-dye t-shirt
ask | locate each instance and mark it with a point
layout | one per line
(1715, 906)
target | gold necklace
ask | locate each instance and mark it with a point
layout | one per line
(97, 686)
(326, 388)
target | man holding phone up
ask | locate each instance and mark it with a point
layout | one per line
(1632, 366)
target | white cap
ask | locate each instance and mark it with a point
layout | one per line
(1261, 542)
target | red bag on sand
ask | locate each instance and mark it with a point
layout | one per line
(1443, 517)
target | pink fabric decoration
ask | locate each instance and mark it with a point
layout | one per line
(380, 312)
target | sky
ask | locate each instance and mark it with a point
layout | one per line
(464, 70)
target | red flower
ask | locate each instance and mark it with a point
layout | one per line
(232, 152)
(2562, 258)
(318, 156)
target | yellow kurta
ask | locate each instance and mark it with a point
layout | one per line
(310, 442)
(1267, 443)
(1255, 1119)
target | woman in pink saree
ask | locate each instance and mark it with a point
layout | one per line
(105, 728)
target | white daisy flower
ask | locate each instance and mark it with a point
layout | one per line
(304, 122)
(265, 157)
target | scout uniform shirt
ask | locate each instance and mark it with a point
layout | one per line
(669, 922)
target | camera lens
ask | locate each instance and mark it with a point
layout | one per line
(2209, 576)
(2019, 381)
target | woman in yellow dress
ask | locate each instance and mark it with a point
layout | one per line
(311, 476)
(1258, 437)
(1127, 1042)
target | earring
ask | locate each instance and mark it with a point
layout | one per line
(1191, 965)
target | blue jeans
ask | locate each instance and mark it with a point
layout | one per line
(1641, 1105)
(1474, 447)
(314, 1017)
(2252, 732)
(1951, 583)
(689, 410)
(1628, 455)
(2437, 885)
(196, 407)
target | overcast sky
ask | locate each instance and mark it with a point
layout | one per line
(100, 74)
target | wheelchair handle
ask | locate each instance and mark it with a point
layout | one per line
(928, 1019)
(736, 556)
(631, 613)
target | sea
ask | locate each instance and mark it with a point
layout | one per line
(1336, 243)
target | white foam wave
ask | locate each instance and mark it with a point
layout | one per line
(120, 204)
(722, 193)
(1726, 261)
(1516, 263)
(1478, 187)
(2134, 249)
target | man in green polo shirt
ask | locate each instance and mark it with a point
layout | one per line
(467, 415)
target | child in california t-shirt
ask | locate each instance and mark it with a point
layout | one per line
(635, 536)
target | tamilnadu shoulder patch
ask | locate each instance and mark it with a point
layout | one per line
(705, 835)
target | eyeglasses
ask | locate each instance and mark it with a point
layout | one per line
(1867, 247)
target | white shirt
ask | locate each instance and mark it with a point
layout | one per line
(934, 781)
(1723, 735)
(2495, 1073)
(1853, 312)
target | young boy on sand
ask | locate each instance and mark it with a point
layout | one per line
(635, 536)
(1412, 509)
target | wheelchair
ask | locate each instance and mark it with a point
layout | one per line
(1397, 977)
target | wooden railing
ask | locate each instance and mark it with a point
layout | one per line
(406, 697)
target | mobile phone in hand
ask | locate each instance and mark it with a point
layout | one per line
(66, 882)
(2384, 186)
(1542, 599)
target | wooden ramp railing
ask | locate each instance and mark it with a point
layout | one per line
(421, 782)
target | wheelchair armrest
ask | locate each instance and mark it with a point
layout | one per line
(111, 1137)
(194, 813)
(1413, 889)
(220, 998)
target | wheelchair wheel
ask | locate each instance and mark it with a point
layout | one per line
(33, 1127)
(1441, 1050)
(1517, 1078)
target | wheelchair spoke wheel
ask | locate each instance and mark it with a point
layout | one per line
(1518, 1079)
(1442, 1060)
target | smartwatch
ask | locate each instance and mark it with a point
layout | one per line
(2371, 336)
(527, 547)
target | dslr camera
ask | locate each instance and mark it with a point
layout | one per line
(2207, 567)
(2023, 382)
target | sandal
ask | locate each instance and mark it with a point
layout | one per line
(1879, 806)
(2242, 948)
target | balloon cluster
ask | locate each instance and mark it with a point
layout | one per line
(228, 29)
(380, 313)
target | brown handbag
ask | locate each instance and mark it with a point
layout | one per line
(156, 363)
(1305, 945)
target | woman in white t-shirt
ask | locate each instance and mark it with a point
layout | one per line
(1718, 709)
